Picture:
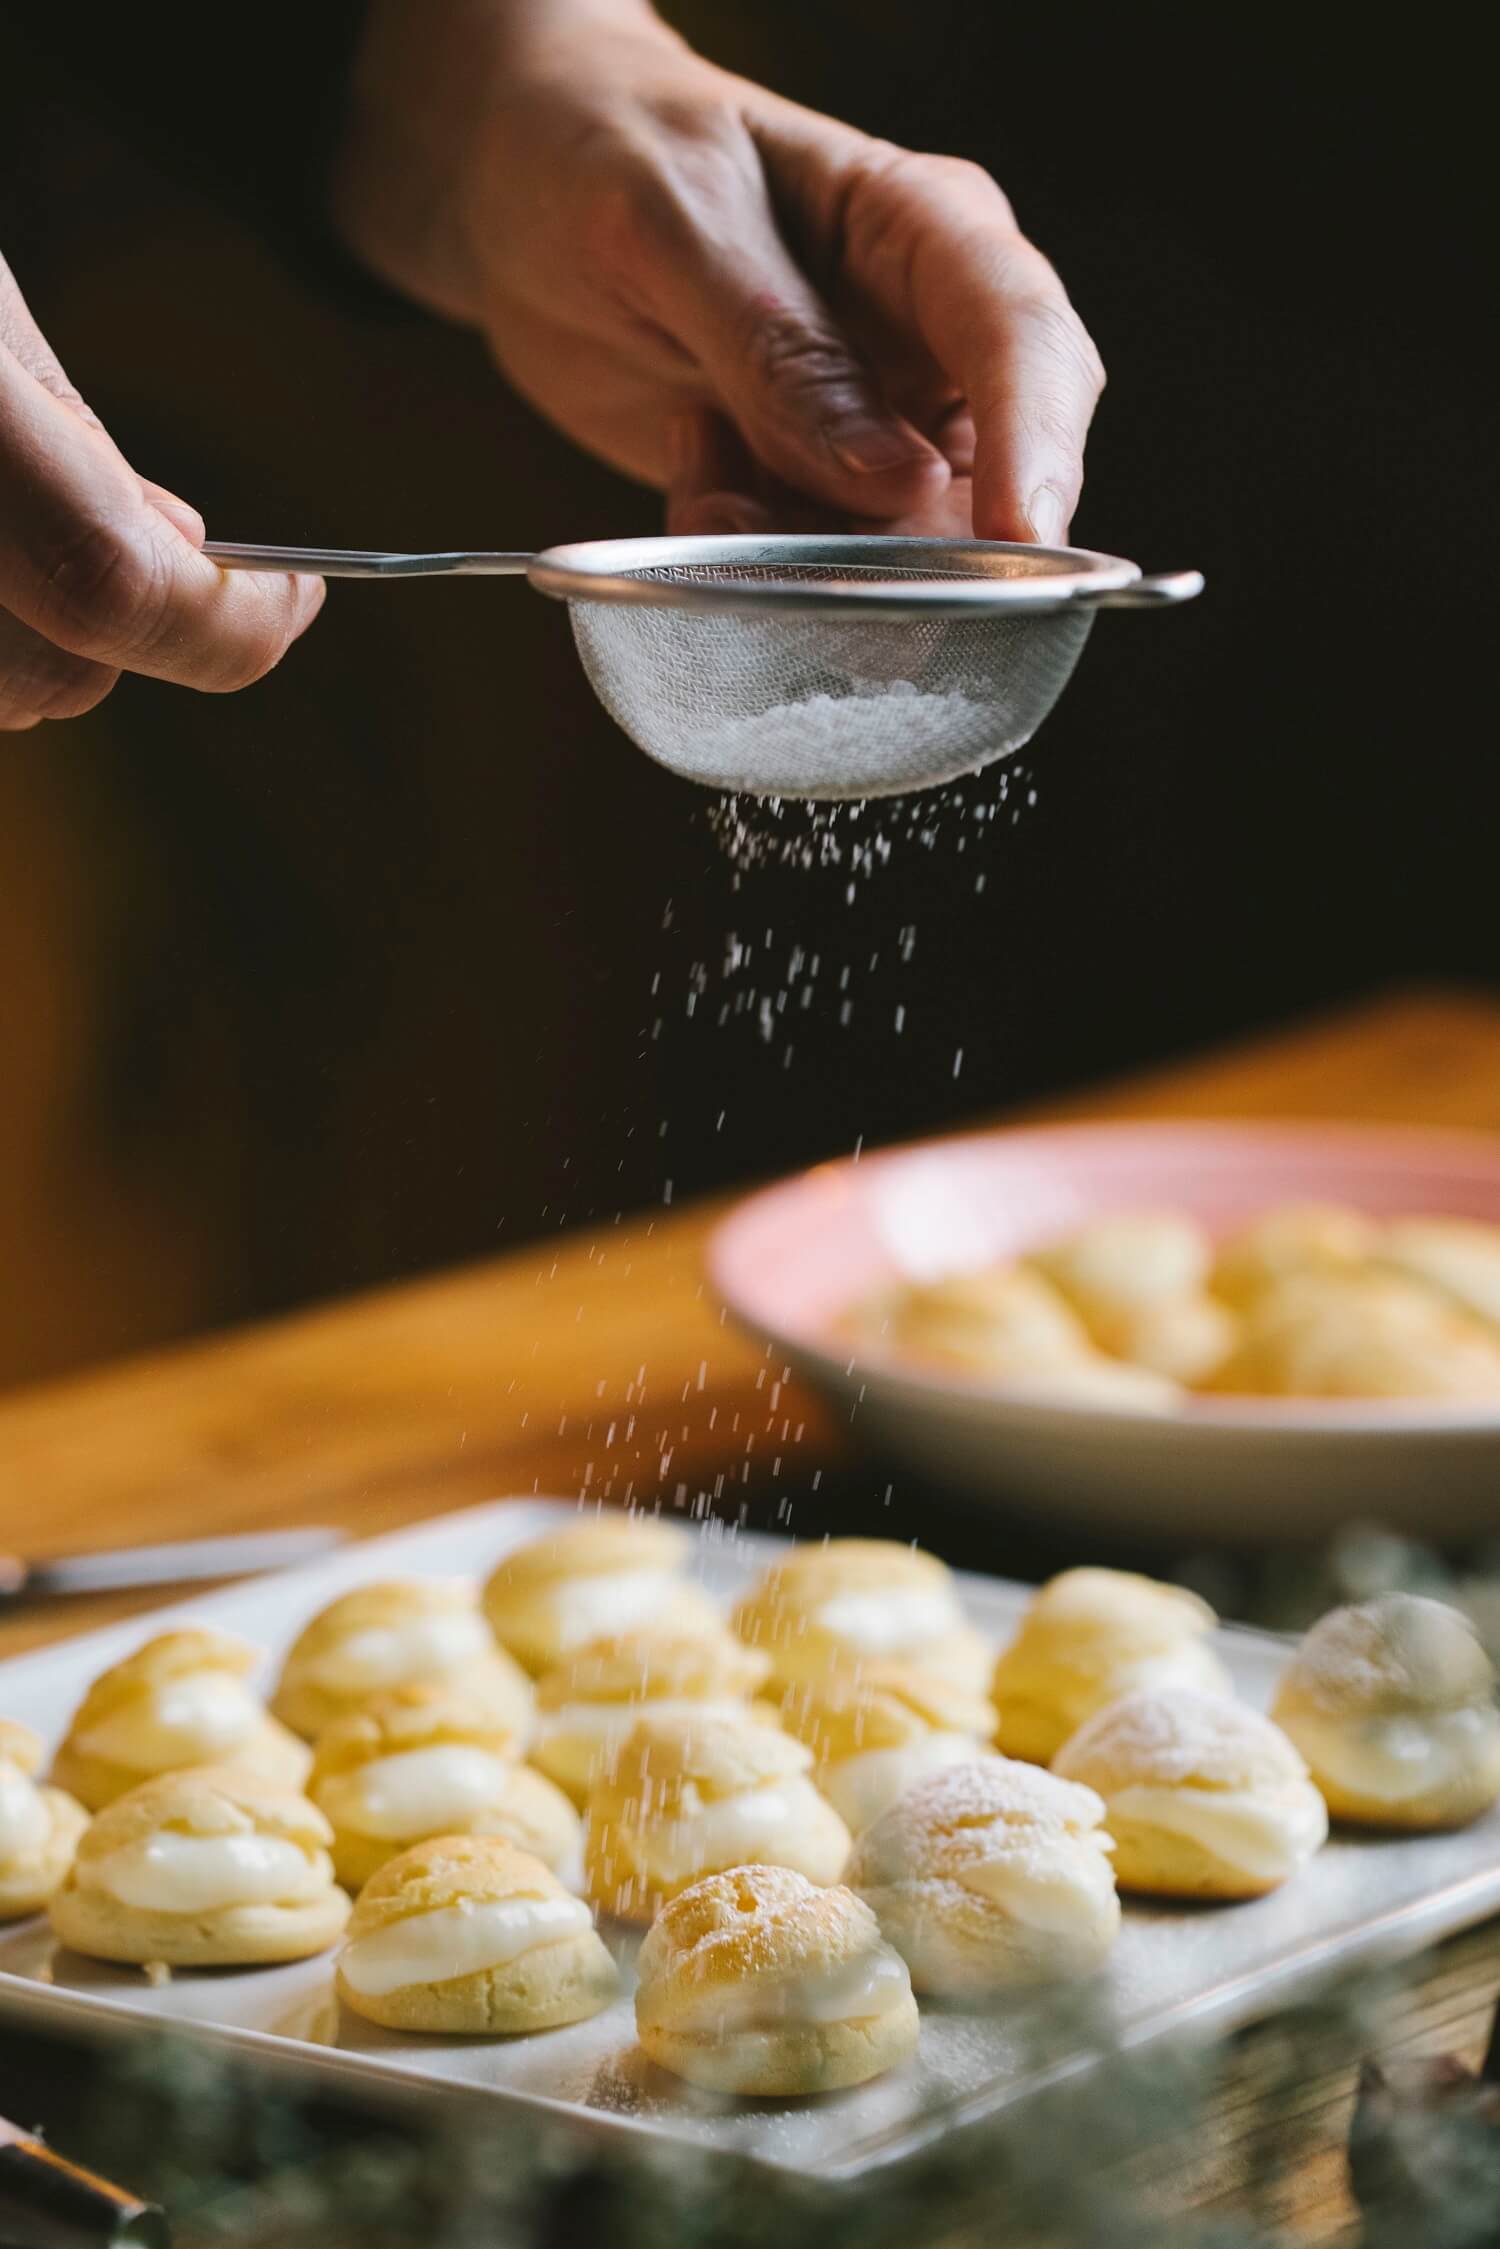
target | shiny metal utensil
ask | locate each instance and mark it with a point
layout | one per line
(187, 1561)
(807, 666)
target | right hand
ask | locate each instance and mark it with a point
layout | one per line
(100, 571)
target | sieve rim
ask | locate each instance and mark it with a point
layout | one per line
(609, 571)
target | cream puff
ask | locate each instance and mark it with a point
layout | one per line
(877, 1729)
(408, 1632)
(183, 1699)
(1204, 1797)
(467, 1934)
(589, 1703)
(207, 1868)
(1129, 1258)
(1087, 1637)
(601, 1576)
(999, 1320)
(694, 1796)
(39, 1827)
(1287, 1240)
(1458, 1257)
(755, 1982)
(1392, 1703)
(1364, 1334)
(990, 1875)
(426, 1761)
(852, 1600)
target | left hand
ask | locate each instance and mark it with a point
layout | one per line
(767, 313)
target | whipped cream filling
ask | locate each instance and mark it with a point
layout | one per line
(172, 1873)
(735, 1831)
(1049, 1887)
(457, 1940)
(1264, 1836)
(889, 1621)
(605, 1725)
(387, 1655)
(415, 1792)
(588, 1607)
(1395, 1759)
(871, 1984)
(863, 1786)
(192, 1720)
(25, 1822)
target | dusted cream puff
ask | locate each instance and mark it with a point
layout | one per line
(603, 1575)
(1458, 1257)
(756, 1982)
(468, 1934)
(1292, 1238)
(694, 1796)
(1392, 1703)
(207, 1868)
(183, 1699)
(989, 1875)
(1364, 1334)
(411, 1631)
(426, 1761)
(587, 1704)
(1204, 1797)
(851, 1600)
(39, 1827)
(1087, 1637)
(878, 1728)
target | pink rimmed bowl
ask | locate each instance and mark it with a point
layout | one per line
(790, 1260)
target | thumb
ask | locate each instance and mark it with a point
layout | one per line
(785, 374)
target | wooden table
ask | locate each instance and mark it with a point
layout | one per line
(600, 1366)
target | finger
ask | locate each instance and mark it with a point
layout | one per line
(717, 487)
(85, 562)
(725, 285)
(180, 513)
(40, 681)
(934, 241)
(23, 339)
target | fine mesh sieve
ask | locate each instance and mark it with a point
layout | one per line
(806, 666)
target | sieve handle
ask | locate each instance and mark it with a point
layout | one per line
(354, 562)
(1160, 592)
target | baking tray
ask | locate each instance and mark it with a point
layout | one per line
(1175, 1969)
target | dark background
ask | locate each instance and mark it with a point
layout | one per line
(360, 972)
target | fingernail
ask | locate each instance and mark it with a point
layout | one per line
(1047, 516)
(882, 448)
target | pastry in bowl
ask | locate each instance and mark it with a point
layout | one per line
(426, 1761)
(1392, 1703)
(695, 1796)
(39, 1826)
(184, 1698)
(1458, 1257)
(1361, 1334)
(466, 1934)
(588, 1704)
(854, 1600)
(406, 1632)
(1204, 1797)
(208, 1868)
(1138, 1282)
(991, 1875)
(878, 1728)
(1288, 1240)
(1087, 1637)
(757, 1982)
(1009, 1325)
(603, 1575)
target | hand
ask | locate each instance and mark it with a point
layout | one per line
(99, 568)
(768, 313)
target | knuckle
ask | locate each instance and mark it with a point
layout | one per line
(104, 591)
(791, 358)
(1066, 343)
